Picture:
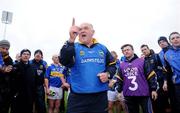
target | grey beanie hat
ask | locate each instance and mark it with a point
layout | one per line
(4, 43)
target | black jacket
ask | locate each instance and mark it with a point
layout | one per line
(153, 62)
(5, 78)
(40, 69)
(23, 87)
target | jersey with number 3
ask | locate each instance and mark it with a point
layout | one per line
(134, 80)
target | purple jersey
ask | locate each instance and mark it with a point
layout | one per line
(134, 80)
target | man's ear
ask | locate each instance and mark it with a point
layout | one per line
(93, 31)
(170, 41)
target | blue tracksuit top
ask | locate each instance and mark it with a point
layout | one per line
(88, 62)
(173, 58)
(161, 56)
(1, 61)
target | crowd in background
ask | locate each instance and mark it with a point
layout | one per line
(150, 82)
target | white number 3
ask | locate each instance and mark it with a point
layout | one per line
(133, 81)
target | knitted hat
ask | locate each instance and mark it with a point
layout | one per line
(38, 51)
(162, 38)
(4, 43)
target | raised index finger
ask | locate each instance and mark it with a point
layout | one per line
(73, 21)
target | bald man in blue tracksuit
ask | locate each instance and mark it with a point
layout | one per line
(91, 64)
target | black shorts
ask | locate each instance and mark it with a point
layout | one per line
(88, 103)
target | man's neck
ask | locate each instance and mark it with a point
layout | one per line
(176, 47)
(89, 44)
(25, 62)
(37, 60)
(130, 57)
(56, 64)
